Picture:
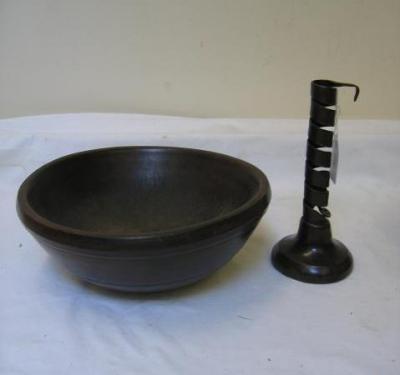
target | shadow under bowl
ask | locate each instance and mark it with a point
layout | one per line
(143, 219)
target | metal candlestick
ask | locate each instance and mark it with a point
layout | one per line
(312, 255)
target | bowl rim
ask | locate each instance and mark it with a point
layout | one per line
(48, 229)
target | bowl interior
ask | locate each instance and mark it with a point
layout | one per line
(138, 191)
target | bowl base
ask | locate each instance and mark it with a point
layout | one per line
(147, 288)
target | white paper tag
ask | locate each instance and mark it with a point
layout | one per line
(335, 149)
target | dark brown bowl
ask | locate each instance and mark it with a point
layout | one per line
(143, 218)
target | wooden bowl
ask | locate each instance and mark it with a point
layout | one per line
(143, 218)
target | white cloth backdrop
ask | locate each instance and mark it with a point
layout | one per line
(245, 319)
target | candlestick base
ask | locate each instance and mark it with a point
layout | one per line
(322, 260)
